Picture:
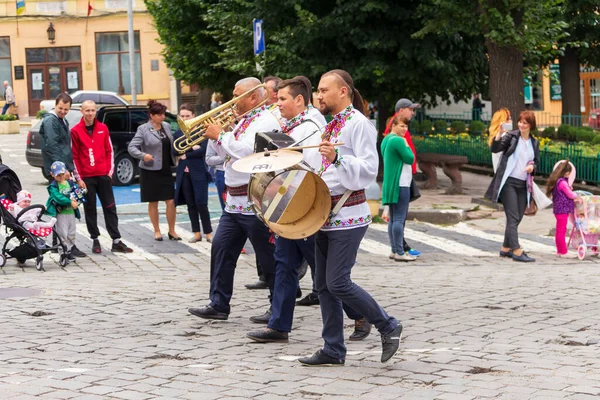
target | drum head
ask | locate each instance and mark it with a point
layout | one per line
(294, 203)
(268, 161)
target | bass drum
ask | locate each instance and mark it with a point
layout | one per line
(293, 203)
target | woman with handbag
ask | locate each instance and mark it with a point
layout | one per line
(152, 146)
(397, 178)
(191, 183)
(509, 185)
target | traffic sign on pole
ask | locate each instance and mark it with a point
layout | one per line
(259, 37)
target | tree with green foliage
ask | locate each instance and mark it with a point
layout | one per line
(515, 32)
(371, 39)
(583, 17)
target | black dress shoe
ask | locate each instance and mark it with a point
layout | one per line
(390, 343)
(268, 335)
(298, 293)
(320, 359)
(171, 237)
(362, 329)
(262, 319)
(208, 313)
(257, 285)
(522, 258)
(507, 254)
(311, 299)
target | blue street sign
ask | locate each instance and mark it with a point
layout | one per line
(259, 37)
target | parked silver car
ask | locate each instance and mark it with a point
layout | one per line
(97, 96)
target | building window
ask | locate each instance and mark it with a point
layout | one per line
(5, 73)
(53, 55)
(112, 52)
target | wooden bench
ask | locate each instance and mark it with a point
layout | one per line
(450, 165)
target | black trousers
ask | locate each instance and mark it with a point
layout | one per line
(514, 201)
(101, 186)
(194, 209)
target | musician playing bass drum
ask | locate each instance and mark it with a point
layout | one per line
(238, 222)
(293, 96)
(347, 170)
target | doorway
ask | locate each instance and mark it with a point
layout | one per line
(51, 71)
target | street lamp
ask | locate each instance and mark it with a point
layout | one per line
(51, 33)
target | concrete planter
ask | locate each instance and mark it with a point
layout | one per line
(7, 127)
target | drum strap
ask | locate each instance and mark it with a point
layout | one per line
(356, 198)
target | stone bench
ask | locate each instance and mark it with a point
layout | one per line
(450, 165)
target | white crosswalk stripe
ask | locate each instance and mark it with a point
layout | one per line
(447, 245)
(529, 245)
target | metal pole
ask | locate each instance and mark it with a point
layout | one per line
(131, 52)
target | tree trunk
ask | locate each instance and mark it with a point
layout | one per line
(506, 78)
(569, 83)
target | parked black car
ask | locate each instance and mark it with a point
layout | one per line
(122, 122)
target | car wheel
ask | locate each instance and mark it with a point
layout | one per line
(47, 176)
(124, 170)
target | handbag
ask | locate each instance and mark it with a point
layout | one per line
(414, 191)
(532, 208)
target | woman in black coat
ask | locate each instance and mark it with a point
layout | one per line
(191, 185)
(520, 157)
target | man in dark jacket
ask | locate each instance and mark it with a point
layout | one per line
(56, 144)
(93, 158)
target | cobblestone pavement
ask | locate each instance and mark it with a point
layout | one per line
(116, 326)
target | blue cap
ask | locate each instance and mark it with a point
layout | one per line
(58, 167)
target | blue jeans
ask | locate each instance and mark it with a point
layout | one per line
(5, 108)
(220, 184)
(335, 256)
(398, 213)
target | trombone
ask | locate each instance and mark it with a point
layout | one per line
(223, 115)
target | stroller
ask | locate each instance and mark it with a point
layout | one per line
(586, 227)
(20, 243)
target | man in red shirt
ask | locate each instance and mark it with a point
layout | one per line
(93, 157)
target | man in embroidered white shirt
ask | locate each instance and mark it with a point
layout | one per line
(347, 169)
(238, 222)
(293, 96)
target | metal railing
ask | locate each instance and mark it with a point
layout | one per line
(478, 153)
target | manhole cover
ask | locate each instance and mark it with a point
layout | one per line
(7, 293)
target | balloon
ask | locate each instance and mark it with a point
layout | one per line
(571, 178)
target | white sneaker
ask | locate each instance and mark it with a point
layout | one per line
(404, 257)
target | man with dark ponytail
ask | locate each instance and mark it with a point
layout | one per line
(347, 169)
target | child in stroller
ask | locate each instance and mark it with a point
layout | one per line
(29, 219)
(22, 243)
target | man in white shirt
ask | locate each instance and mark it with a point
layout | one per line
(238, 222)
(347, 169)
(9, 97)
(293, 96)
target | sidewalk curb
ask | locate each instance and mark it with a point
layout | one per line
(438, 217)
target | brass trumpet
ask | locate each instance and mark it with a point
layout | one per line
(223, 115)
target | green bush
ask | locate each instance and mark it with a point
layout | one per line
(567, 132)
(458, 127)
(440, 126)
(476, 128)
(40, 114)
(426, 126)
(8, 117)
(549, 132)
(596, 139)
(584, 135)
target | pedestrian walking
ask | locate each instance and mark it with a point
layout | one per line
(238, 222)
(9, 97)
(346, 169)
(509, 185)
(563, 204)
